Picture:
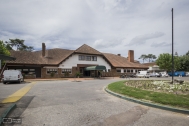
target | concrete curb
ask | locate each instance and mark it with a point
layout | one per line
(168, 108)
(6, 112)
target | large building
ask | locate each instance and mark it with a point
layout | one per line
(66, 63)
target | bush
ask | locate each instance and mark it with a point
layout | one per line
(52, 74)
(77, 74)
(66, 74)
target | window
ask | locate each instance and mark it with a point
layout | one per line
(128, 71)
(25, 69)
(125, 70)
(118, 70)
(109, 70)
(32, 69)
(94, 58)
(81, 57)
(51, 70)
(88, 58)
(131, 71)
(66, 70)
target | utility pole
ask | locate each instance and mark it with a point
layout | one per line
(172, 51)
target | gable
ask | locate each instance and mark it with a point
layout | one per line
(87, 50)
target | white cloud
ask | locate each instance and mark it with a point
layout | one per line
(140, 40)
(107, 25)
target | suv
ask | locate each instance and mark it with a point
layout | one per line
(12, 76)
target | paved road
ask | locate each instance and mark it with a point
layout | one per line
(66, 103)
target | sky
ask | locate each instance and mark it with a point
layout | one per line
(111, 26)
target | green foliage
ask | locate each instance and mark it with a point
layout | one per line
(187, 53)
(164, 61)
(3, 49)
(184, 63)
(77, 74)
(52, 74)
(150, 57)
(19, 45)
(66, 74)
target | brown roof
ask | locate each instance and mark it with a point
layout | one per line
(119, 61)
(87, 50)
(53, 56)
(56, 56)
(149, 64)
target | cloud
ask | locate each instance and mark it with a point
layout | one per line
(101, 43)
(162, 44)
(142, 39)
(107, 25)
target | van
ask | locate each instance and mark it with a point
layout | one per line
(144, 74)
(12, 76)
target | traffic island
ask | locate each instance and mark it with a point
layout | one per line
(143, 102)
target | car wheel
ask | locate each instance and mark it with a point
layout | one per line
(4, 82)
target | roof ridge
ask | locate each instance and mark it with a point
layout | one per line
(87, 49)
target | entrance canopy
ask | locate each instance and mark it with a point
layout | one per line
(3, 57)
(95, 68)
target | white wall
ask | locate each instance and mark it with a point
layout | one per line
(74, 60)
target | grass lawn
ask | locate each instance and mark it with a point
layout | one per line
(171, 99)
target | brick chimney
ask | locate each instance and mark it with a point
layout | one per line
(131, 56)
(43, 49)
(119, 54)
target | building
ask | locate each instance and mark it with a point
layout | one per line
(153, 67)
(85, 60)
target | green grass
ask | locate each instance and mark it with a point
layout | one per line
(157, 97)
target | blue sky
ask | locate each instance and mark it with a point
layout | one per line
(113, 26)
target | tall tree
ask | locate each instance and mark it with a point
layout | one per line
(164, 61)
(151, 57)
(18, 44)
(143, 57)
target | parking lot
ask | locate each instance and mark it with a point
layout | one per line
(71, 103)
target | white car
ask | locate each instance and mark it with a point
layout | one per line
(155, 75)
(187, 74)
(164, 74)
(12, 76)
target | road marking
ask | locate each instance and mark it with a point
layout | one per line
(18, 94)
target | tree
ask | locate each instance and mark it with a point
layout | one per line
(164, 61)
(187, 53)
(18, 44)
(151, 57)
(184, 63)
(3, 49)
(143, 57)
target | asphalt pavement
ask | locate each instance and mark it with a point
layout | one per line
(84, 103)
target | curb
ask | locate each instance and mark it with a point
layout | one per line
(6, 112)
(168, 108)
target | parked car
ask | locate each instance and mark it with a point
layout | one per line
(155, 75)
(187, 74)
(144, 74)
(12, 76)
(164, 74)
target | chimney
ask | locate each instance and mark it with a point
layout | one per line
(43, 49)
(119, 54)
(131, 56)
